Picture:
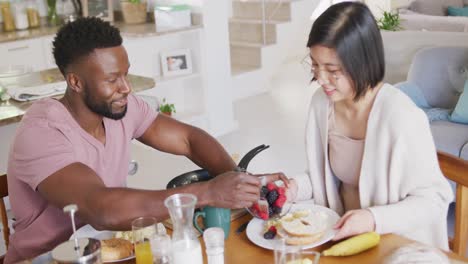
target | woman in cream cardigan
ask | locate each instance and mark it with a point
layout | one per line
(370, 153)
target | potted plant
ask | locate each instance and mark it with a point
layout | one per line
(134, 11)
(390, 21)
(167, 108)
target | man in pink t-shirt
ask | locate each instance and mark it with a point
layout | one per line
(76, 149)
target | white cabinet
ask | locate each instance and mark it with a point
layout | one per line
(49, 61)
(24, 52)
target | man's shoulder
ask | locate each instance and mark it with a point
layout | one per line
(47, 110)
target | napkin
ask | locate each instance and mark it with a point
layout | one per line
(24, 94)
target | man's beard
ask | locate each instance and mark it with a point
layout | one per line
(103, 109)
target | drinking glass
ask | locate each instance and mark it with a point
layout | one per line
(285, 254)
(144, 230)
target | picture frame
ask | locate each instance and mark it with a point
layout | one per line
(176, 62)
(98, 8)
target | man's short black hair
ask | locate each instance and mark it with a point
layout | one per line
(351, 30)
(81, 37)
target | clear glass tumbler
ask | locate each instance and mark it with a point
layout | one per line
(144, 230)
(286, 254)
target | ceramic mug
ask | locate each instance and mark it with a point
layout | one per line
(214, 217)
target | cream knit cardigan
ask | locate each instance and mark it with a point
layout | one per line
(400, 180)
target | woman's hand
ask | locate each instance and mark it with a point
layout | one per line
(354, 222)
(272, 177)
(291, 191)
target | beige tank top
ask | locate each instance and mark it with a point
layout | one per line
(345, 156)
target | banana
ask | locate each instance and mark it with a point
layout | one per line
(354, 245)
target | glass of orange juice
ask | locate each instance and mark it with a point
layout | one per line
(144, 229)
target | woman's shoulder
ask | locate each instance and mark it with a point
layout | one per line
(396, 107)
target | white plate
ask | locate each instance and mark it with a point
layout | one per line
(256, 226)
(89, 231)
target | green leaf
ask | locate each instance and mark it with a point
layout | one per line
(389, 21)
(166, 107)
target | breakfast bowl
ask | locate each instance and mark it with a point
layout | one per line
(273, 203)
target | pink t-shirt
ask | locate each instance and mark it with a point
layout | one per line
(47, 140)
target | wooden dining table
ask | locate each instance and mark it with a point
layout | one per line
(238, 249)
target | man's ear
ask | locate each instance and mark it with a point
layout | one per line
(74, 82)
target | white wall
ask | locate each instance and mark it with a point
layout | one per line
(216, 67)
(400, 3)
(376, 6)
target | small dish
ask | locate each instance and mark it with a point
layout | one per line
(272, 203)
(89, 231)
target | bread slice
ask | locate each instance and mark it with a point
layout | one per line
(115, 249)
(299, 228)
(305, 240)
(296, 240)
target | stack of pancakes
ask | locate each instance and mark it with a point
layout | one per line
(302, 227)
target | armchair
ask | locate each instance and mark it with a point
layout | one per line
(435, 81)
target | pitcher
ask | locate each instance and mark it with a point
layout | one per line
(185, 245)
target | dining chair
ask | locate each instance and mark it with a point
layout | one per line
(3, 212)
(456, 170)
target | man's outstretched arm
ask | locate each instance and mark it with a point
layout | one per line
(115, 208)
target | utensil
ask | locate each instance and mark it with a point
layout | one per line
(241, 228)
(77, 250)
(204, 175)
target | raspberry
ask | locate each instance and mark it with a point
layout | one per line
(255, 207)
(263, 192)
(280, 201)
(271, 186)
(263, 215)
(272, 228)
(281, 190)
(272, 196)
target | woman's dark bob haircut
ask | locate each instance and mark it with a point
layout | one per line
(351, 30)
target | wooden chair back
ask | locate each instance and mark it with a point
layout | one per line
(456, 170)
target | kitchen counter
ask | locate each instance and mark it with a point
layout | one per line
(127, 30)
(12, 111)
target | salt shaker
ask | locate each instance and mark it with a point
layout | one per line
(214, 243)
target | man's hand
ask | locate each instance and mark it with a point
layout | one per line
(234, 190)
(354, 222)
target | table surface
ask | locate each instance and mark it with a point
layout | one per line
(239, 250)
